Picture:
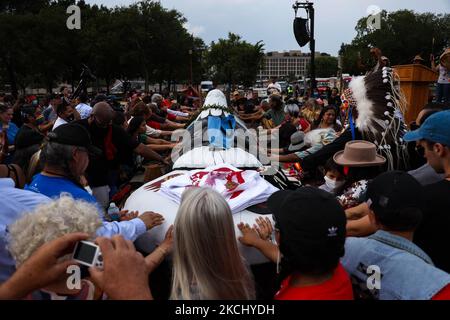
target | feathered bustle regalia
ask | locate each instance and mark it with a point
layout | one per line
(375, 106)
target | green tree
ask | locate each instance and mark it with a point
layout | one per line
(326, 66)
(157, 42)
(403, 34)
(235, 61)
(143, 40)
(22, 6)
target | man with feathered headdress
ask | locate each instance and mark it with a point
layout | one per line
(374, 112)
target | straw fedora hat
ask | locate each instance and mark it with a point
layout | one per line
(359, 153)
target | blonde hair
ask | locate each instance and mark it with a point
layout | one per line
(48, 222)
(34, 166)
(206, 259)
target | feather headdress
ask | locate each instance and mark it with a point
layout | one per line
(377, 106)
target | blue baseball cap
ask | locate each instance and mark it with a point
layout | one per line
(436, 129)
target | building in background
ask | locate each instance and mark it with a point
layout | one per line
(289, 65)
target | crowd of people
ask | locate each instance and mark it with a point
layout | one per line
(63, 162)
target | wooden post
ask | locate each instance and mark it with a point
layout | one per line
(415, 80)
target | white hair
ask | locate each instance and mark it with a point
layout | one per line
(48, 222)
(206, 259)
(156, 97)
(291, 109)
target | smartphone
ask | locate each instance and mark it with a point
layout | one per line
(88, 254)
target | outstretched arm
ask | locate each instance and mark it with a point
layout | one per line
(154, 259)
(251, 238)
(433, 64)
(148, 153)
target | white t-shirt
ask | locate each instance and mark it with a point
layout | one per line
(275, 85)
(58, 122)
(151, 132)
(177, 113)
(444, 75)
(84, 110)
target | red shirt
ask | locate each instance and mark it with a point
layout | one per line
(339, 287)
(154, 124)
(444, 294)
(304, 124)
(167, 103)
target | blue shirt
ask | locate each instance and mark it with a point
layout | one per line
(407, 272)
(12, 132)
(53, 187)
(49, 114)
(14, 203)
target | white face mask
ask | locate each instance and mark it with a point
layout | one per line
(333, 184)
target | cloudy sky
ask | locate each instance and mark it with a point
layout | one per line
(271, 20)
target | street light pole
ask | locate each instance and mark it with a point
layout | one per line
(190, 67)
(313, 48)
(309, 7)
(191, 51)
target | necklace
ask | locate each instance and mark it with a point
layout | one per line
(49, 173)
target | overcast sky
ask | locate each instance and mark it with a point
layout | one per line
(271, 20)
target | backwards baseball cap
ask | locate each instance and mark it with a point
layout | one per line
(73, 134)
(396, 199)
(312, 226)
(435, 129)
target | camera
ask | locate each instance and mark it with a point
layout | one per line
(88, 254)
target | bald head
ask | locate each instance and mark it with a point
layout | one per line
(103, 114)
(102, 108)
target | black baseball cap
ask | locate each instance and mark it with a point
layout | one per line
(395, 197)
(28, 110)
(99, 98)
(311, 223)
(73, 134)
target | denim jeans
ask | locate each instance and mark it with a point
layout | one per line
(443, 92)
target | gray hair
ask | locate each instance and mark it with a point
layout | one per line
(157, 97)
(50, 221)
(59, 155)
(207, 263)
(291, 109)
